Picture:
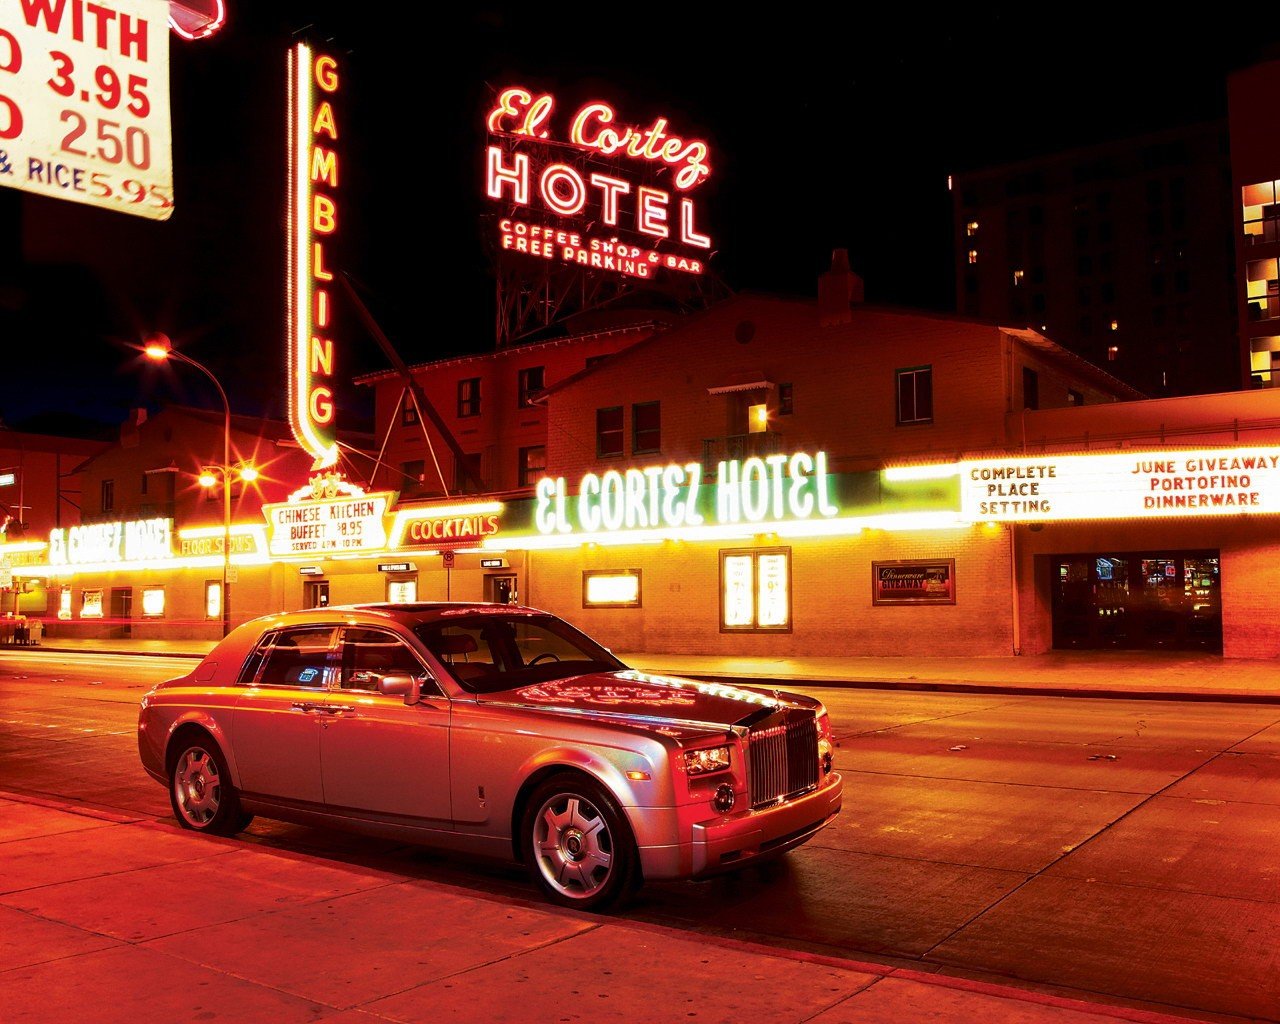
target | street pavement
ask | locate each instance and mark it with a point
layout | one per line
(1175, 675)
(1016, 858)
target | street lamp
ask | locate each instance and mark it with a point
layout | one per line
(159, 348)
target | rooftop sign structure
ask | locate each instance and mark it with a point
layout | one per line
(592, 190)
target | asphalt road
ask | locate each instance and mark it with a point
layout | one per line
(1109, 850)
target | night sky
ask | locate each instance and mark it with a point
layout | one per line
(827, 130)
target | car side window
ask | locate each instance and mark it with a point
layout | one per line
(467, 650)
(370, 654)
(297, 657)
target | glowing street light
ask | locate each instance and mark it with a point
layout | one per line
(159, 348)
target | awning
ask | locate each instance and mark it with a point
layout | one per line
(750, 380)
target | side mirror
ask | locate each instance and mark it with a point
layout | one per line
(408, 687)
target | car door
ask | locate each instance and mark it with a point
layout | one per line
(276, 725)
(381, 756)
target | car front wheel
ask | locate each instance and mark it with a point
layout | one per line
(201, 792)
(578, 845)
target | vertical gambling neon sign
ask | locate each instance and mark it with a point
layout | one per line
(312, 221)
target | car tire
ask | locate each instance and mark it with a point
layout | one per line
(578, 845)
(200, 788)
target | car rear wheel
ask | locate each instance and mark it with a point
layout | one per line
(578, 844)
(200, 789)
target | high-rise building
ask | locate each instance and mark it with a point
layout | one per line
(1120, 252)
(1255, 180)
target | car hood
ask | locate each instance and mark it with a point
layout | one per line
(647, 697)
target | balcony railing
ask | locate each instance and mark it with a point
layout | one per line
(740, 446)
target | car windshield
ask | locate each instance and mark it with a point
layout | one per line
(487, 652)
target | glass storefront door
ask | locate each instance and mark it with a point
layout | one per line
(1138, 599)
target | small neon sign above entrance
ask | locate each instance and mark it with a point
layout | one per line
(756, 490)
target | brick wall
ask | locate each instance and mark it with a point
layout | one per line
(832, 611)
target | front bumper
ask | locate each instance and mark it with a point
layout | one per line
(725, 844)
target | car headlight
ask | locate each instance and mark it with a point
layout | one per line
(705, 762)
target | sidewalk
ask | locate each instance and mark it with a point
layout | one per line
(231, 930)
(1164, 675)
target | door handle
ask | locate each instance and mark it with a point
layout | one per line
(307, 707)
(341, 709)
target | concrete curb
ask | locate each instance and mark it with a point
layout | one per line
(128, 654)
(1032, 996)
(911, 685)
(1013, 689)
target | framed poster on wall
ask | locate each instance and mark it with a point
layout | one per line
(917, 581)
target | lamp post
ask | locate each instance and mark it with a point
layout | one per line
(159, 348)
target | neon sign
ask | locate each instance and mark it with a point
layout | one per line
(141, 540)
(756, 490)
(312, 222)
(1132, 485)
(526, 168)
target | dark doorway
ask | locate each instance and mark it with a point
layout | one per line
(315, 594)
(1143, 600)
(121, 613)
(501, 589)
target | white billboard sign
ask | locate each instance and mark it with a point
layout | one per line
(84, 102)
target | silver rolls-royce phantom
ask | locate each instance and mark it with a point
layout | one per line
(494, 730)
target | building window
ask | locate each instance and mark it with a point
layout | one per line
(755, 590)
(1030, 388)
(152, 602)
(1018, 277)
(611, 588)
(758, 418)
(91, 604)
(469, 397)
(408, 412)
(1264, 354)
(109, 495)
(1113, 353)
(646, 427)
(973, 256)
(412, 474)
(142, 484)
(533, 463)
(213, 599)
(1261, 213)
(786, 400)
(609, 431)
(1074, 397)
(465, 472)
(915, 395)
(530, 384)
(1115, 325)
(971, 228)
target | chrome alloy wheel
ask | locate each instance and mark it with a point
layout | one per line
(197, 786)
(573, 845)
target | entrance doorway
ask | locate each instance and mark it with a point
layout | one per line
(1143, 600)
(121, 612)
(315, 594)
(501, 589)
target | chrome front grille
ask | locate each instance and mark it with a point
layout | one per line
(782, 752)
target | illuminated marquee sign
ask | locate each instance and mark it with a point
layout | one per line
(141, 540)
(337, 525)
(84, 103)
(437, 526)
(758, 490)
(312, 221)
(571, 198)
(1132, 485)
